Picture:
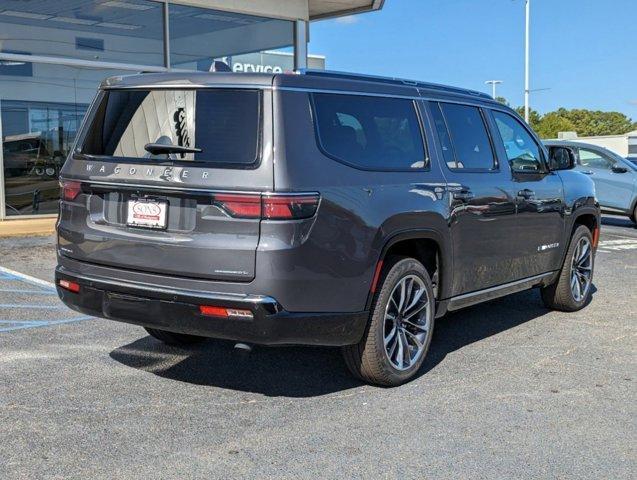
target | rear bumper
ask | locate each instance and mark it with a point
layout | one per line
(178, 311)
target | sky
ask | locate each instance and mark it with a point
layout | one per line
(584, 52)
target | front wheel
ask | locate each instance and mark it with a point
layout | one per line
(401, 325)
(572, 289)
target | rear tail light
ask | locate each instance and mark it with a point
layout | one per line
(70, 286)
(70, 190)
(223, 312)
(240, 205)
(268, 207)
(290, 207)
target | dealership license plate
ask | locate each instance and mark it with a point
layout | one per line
(146, 213)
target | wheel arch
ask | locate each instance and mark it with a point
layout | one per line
(587, 216)
(427, 246)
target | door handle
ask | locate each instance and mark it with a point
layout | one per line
(526, 193)
(464, 195)
(587, 172)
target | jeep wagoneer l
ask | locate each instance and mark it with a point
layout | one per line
(315, 208)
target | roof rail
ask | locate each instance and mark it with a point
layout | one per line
(393, 80)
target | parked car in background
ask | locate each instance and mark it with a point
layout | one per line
(615, 177)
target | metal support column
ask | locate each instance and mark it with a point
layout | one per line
(301, 39)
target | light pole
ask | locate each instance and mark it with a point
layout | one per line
(493, 83)
(526, 60)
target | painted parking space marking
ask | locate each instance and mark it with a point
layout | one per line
(608, 246)
(14, 275)
(40, 298)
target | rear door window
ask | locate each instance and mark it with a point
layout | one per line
(373, 133)
(223, 124)
(462, 127)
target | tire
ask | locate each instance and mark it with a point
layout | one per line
(369, 360)
(562, 294)
(172, 338)
(633, 217)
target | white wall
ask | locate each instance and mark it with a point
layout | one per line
(615, 143)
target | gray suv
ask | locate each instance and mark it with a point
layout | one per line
(315, 208)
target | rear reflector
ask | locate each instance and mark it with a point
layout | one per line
(70, 190)
(70, 286)
(268, 207)
(596, 236)
(223, 312)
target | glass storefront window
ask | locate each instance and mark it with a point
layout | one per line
(41, 109)
(122, 31)
(198, 36)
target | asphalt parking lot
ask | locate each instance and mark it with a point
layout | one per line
(509, 390)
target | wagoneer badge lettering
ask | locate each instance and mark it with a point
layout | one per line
(167, 174)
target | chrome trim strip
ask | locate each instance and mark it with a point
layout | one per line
(218, 296)
(186, 190)
(506, 286)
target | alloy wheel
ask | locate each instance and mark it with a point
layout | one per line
(581, 269)
(407, 322)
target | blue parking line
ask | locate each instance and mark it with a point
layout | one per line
(39, 323)
(28, 305)
(35, 292)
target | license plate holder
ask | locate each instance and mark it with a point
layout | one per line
(148, 213)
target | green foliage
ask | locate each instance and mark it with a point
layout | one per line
(502, 100)
(586, 123)
(589, 123)
(535, 118)
(553, 123)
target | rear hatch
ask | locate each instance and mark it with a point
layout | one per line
(170, 180)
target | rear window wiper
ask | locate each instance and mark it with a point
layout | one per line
(157, 148)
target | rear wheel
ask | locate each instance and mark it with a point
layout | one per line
(572, 289)
(633, 217)
(172, 338)
(401, 325)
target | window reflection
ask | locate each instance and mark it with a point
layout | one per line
(198, 36)
(37, 133)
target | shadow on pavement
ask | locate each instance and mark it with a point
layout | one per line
(311, 371)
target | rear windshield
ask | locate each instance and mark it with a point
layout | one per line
(208, 126)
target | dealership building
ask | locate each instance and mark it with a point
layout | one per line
(54, 53)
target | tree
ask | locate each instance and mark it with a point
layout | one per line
(502, 100)
(589, 123)
(553, 123)
(534, 117)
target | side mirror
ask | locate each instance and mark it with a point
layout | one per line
(619, 169)
(561, 158)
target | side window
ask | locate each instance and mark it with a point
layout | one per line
(374, 133)
(468, 136)
(523, 152)
(443, 136)
(593, 159)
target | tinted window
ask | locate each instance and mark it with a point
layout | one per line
(523, 152)
(370, 132)
(593, 159)
(469, 137)
(224, 124)
(443, 136)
